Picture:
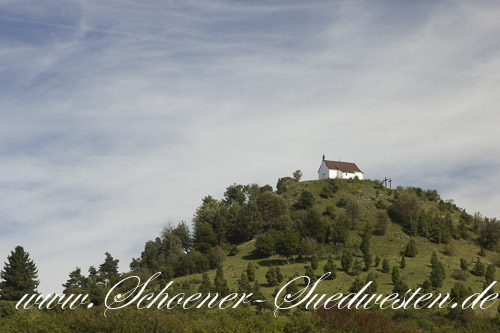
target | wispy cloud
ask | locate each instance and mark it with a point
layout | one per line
(118, 116)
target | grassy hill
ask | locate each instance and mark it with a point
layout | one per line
(367, 194)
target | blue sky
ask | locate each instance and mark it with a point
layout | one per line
(117, 117)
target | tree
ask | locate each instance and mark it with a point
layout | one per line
(310, 273)
(19, 276)
(403, 262)
(205, 286)
(76, 281)
(464, 265)
(271, 276)
(367, 258)
(220, 283)
(314, 262)
(251, 271)
(330, 267)
(489, 276)
(346, 261)
(372, 288)
(305, 201)
(243, 284)
(108, 270)
(406, 209)
(385, 266)
(297, 175)
(288, 244)
(353, 210)
(377, 261)
(438, 273)
(395, 277)
(479, 268)
(283, 184)
(411, 249)
(356, 285)
(382, 222)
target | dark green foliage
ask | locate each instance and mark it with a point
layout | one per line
(204, 237)
(205, 286)
(283, 184)
(479, 268)
(482, 253)
(220, 283)
(19, 276)
(330, 267)
(288, 243)
(273, 209)
(367, 258)
(395, 277)
(76, 281)
(403, 262)
(356, 286)
(340, 230)
(438, 273)
(400, 287)
(377, 261)
(490, 234)
(243, 284)
(314, 262)
(266, 244)
(305, 201)
(489, 276)
(459, 292)
(266, 188)
(292, 288)
(330, 212)
(234, 194)
(271, 276)
(382, 223)
(464, 264)
(279, 275)
(406, 210)
(346, 261)
(331, 187)
(342, 202)
(251, 271)
(372, 288)
(313, 226)
(385, 266)
(411, 249)
(310, 273)
(353, 210)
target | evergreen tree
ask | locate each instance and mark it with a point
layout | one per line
(438, 273)
(403, 262)
(479, 268)
(464, 265)
(205, 286)
(251, 271)
(385, 266)
(372, 288)
(490, 274)
(19, 276)
(243, 284)
(377, 261)
(76, 281)
(220, 283)
(411, 249)
(108, 270)
(279, 275)
(356, 285)
(367, 258)
(314, 262)
(395, 277)
(271, 276)
(310, 273)
(330, 267)
(346, 261)
(292, 288)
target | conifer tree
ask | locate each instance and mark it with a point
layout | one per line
(76, 281)
(220, 283)
(330, 267)
(395, 277)
(403, 262)
(438, 273)
(243, 284)
(251, 271)
(385, 266)
(314, 262)
(205, 286)
(271, 276)
(490, 274)
(19, 276)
